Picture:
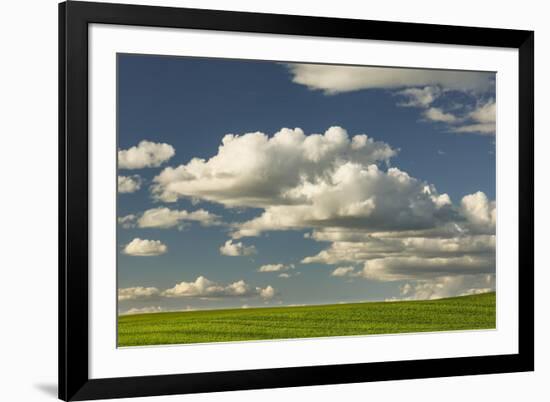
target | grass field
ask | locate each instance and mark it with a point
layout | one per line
(458, 313)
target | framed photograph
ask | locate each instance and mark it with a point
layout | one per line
(258, 201)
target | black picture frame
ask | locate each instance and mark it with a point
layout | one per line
(74, 381)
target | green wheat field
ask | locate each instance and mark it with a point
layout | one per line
(457, 313)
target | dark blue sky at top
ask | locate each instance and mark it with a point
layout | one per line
(191, 103)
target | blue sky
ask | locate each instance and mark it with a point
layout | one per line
(438, 127)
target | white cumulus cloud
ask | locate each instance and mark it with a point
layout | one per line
(129, 184)
(137, 293)
(145, 248)
(236, 249)
(273, 268)
(267, 293)
(202, 287)
(352, 195)
(255, 170)
(394, 226)
(436, 114)
(145, 154)
(479, 210)
(163, 217)
(343, 271)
